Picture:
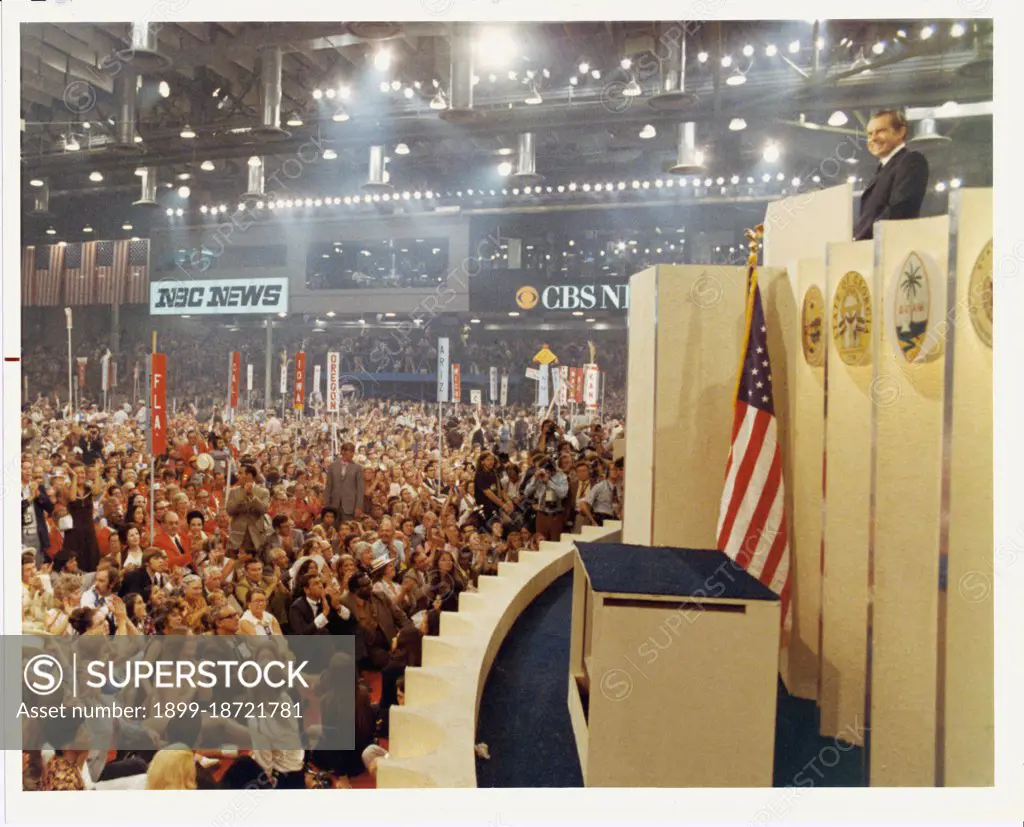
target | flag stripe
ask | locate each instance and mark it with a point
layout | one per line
(753, 531)
(744, 473)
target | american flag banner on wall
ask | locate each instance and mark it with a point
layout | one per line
(49, 265)
(79, 268)
(752, 521)
(136, 278)
(111, 257)
(28, 269)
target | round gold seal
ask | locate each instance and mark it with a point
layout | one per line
(812, 325)
(527, 297)
(851, 319)
(980, 295)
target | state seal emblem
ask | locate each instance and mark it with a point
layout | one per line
(851, 319)
(980, 295)
(911, 309)
(812, 325)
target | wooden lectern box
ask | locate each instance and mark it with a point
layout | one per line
(672, 668)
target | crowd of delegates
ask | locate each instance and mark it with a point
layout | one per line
(189, 345)
(374, 539)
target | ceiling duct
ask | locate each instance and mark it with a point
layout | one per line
(148, 196)
(686, 153)
(980, 65)
(526, 164)
(375, 181)
(256, 184)
(460, 109)
(269, 127)
(926, 135)
(42, 201)
(671, 53)
(371, 30)
(145, 55)
(125, 114)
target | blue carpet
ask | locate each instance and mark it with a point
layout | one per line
(524, 718)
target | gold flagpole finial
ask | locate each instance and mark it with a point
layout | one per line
(754, 238)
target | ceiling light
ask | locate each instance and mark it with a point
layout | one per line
(62, 244)
(295, 120)
(513, 313)
(170, 211)
(771, 152)
(737, 78)
(957, 30)
(595, 74)
(187, 132)
(584, 67)
(437, 102)
(36, 182)
(345, 93)
(382, 60)
(726, 61)
(879, 47)
(955, 183)
(179, 211)
(164, 89)
(402, 149)
(533, 98)
(330, 93)
(736, 124)
(330, 154)
(748, 50)
(837, 118)
(927, 32)
(940, 187)
(734, 180)
(95, 175)
(795, 182)
(51, 231)
(206, 166)
(86, 229)
(766, 178)
(573, 81)
(771, 50)
(648, 132)
(183, 176)
(340, 116)
(137, 139)
(820, 43)
(71, 144)
(184, 191)
(330, 314)
(408, 92)
(780, 177)
(625, 63)
(851, 179)
(385, 86)
(794, 47)
(632, 89)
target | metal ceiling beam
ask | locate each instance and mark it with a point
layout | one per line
(65, 64)
(248, 42)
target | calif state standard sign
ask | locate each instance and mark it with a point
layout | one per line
(174, 297)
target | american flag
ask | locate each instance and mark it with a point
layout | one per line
(136, 280)
(28, 271)
(49, 262)
(752, 527)
(111, 257)
(79, 269)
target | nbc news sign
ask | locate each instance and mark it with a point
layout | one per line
(173, 297)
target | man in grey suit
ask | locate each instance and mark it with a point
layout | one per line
(247, 504)
(344, 491)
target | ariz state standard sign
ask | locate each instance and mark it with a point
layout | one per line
(209, 297)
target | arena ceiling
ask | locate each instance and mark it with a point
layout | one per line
(198, 105)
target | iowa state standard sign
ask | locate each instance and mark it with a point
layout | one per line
(174, 297)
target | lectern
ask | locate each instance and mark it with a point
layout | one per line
(672, 668)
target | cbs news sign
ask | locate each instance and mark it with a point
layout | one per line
(571, 297)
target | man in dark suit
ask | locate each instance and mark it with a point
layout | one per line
(345, 484)
(311, 613)
(152, 573)
(899, 185)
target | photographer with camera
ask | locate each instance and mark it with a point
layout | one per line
(547, 490)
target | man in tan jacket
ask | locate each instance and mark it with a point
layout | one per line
(247, 505)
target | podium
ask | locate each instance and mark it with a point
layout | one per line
(673, 668)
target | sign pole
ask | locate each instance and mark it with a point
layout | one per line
(67, 314)
(152, 454)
